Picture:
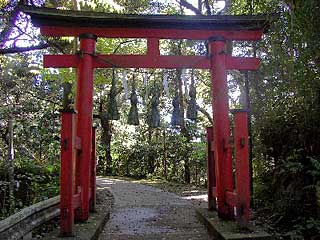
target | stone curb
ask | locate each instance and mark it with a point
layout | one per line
(21, 224)
(92, 228)
(227, 230)
(89, 230)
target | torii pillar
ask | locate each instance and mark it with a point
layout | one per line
(221, 130)
(84, 108)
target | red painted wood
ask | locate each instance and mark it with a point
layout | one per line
(93, 171)
(210, 170)
(131, 61)
(67, 173)
(242, 63)
(221, 126)
(151, 61)
(231, 198)
(220, 178)
(214, 191)
(61, 61)
(153, 46)
(84, 107)
(55, 31)
(78, 143)
(76, 201)
(242, 166)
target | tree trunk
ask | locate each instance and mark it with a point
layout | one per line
(184, 130)
(164, 163)
(187, 172)
(106, 126)
(11, 165)
(151, 157)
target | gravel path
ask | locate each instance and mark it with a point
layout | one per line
(142, 212)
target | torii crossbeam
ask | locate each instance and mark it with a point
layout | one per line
(78, 141)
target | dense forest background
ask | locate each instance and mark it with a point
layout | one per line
(283, 98)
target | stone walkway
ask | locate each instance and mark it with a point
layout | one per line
(142, 212)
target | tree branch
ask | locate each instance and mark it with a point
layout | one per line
(23, 49)
(206, 3)
(37, 96)
(12, 17)
(189, 6)
(204, 112)
(226, 7)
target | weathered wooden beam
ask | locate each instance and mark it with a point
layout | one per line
(150, 61)
(20, 224)
(244, 35)
(66, 18)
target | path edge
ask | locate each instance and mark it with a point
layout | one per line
(88, 230)
(213, 224)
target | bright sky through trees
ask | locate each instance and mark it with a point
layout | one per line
(218, 5)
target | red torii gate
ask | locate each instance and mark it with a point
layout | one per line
(78, 138)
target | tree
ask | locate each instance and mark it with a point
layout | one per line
(285, 110)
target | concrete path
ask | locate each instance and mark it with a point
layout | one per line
(142, 212)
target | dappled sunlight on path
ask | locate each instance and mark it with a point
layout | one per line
(145, 212)
(202, 197)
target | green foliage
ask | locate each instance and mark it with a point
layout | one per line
(285, 102)
(144, 152)
(33, 183)
(28, 97)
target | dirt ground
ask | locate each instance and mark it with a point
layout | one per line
(143, 212)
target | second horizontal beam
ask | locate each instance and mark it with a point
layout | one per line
(145, 61)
